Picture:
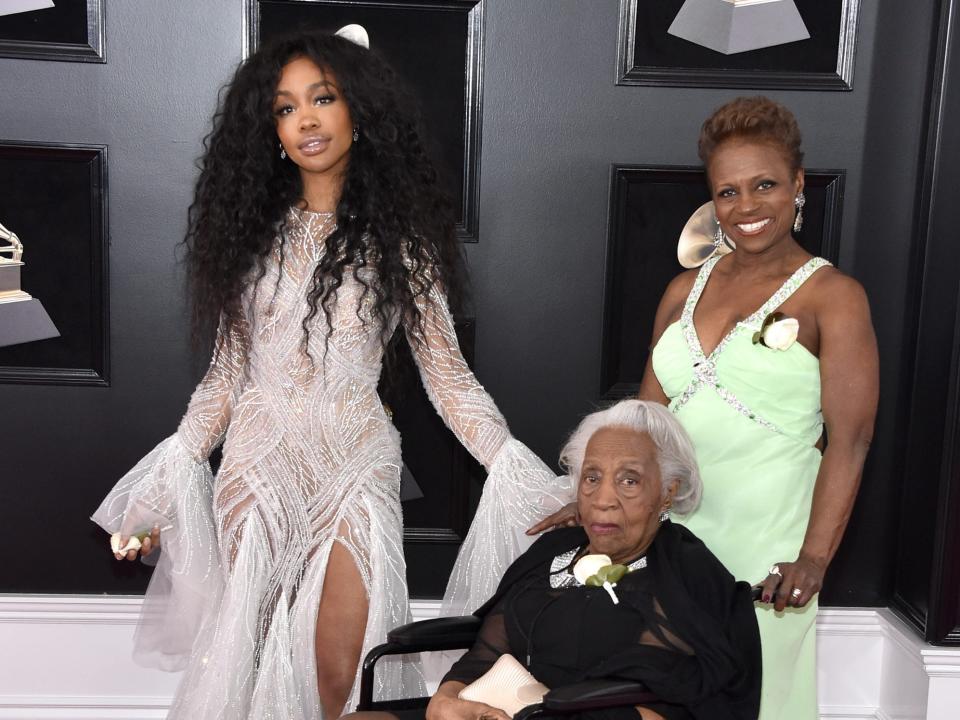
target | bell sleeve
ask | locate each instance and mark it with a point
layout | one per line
(520, 489)
(172, 488)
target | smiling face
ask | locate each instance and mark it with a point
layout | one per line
(620, 495)
(313, 120)
(754, 188)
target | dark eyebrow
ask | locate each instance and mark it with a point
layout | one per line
(755, 178)
(322, 84)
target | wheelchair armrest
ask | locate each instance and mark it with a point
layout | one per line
(588, 695)
(444, 633)
(596, 694)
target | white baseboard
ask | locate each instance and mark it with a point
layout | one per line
(66, 658)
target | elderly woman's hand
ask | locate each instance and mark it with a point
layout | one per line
(445, 705)
(792, 584)
(564, 517)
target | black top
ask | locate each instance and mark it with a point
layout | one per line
(683, 627)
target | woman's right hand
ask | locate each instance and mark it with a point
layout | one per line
(567, 516)
(149, 543)
(445, 706)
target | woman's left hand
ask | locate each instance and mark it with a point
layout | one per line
(564, 517)
(453, 708)
(794, 585)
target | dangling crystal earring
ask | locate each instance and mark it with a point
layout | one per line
(283, 153)
(719, 237)
(799, 202)
(356, 133)
(665, 515)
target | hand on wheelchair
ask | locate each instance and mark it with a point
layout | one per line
(445, 705)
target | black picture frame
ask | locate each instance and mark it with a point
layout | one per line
(71, 31)
(54, 197)
(648, 55)
(649, 205)
(436, 47)
(926, 583)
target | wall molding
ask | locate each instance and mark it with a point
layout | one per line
(871, 664)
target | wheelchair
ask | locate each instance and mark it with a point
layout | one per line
(457, 633)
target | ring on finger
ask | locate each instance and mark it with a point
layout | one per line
(774, 570)
(796, 593)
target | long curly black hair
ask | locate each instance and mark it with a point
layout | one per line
(392, 213)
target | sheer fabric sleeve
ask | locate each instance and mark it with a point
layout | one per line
(172, 488)
(490, 644)
(205, 423)
(520, 489)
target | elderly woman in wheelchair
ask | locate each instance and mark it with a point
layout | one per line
(627, 616)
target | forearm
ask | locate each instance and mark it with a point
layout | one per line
(834, 493)
(211, 406)
(443, 704)
(449, 689)
(459, 398)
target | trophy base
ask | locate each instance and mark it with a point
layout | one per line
(26, 321)
(10, 281)
(14, 296)
(730, 28)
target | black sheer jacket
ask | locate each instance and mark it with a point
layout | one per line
(683, 627)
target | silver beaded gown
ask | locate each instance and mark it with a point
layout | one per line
(309, 458)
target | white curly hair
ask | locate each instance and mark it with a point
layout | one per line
(675, 453)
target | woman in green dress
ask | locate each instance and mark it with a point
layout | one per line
(756, 353)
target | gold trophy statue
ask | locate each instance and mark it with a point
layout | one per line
(22, 317)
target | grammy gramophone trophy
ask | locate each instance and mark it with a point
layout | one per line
(22, 317)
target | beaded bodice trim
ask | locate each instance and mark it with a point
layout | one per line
(705, 366)
(561, 569)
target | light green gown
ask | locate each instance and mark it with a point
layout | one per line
(753, 414)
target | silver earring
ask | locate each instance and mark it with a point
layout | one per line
(356, 133)
(283, 153)
(799, 202)
(665, 515)
(719, 237)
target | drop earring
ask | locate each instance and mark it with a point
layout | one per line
(799, 202)
(719, 237)
(665, 514)
(283, 153)
(356, 133)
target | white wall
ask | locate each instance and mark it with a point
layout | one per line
(67, 658)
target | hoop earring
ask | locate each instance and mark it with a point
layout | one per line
(283, 152)
(799, 202)
(356, 133)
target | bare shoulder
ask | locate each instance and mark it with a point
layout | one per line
(835, 288)
(673, 300)
(680, 287)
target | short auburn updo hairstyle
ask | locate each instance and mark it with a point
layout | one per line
(754, 118)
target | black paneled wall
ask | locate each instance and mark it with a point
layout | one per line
(553, 124)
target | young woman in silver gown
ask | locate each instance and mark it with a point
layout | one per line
(317, 230)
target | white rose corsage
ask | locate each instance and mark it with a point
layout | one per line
(135, 542)
(600, 571)
(778, 332)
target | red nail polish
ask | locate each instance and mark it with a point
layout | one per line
(766, 598)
